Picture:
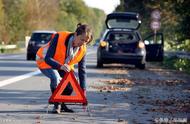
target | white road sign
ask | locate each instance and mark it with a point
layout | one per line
(155, 25)
(155, 15)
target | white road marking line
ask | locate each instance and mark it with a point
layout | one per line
(22, 77)
(90, 52)
(10, 56)
(18, 78)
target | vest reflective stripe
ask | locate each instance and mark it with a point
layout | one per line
(40, 55)
(77, 58)
(42, 51)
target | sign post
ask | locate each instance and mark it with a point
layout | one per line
(155, 23)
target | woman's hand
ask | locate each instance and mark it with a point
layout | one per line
(66, 68)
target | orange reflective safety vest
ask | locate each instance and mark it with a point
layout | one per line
(60, 52)
(40, 55)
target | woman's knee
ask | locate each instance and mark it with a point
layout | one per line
(54, 80)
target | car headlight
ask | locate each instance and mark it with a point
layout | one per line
(141, 45)
(103, 43)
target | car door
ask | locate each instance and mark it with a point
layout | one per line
(154, 45)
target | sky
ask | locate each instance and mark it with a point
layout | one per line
(107, 5)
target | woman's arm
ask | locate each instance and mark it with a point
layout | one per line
(50, 53)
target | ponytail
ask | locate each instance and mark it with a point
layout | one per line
(79, 24)
(83, 28)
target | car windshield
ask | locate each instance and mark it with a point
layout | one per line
(38, 37)
(121, 36)
(123, 23)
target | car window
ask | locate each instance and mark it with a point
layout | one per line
(38, 37)
(123, 23)
(157, 39)
(121, 36)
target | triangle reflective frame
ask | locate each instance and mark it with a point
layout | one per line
(78, 97)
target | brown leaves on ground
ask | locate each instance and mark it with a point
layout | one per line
(127, 83)
(168, 106)
(131, 82)
(187, 90)
(119, 81)
(170, 110)
(168, 82)
(110, 88)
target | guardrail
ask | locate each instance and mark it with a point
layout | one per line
(8, 46)
(178, 54)
(4, 48)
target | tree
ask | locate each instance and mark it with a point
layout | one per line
(19, 18)
(74, 11)
(13, 20)
(182, 8)
(41, 14)
(2, 22)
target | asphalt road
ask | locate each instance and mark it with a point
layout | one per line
(116, 94)
(24, 92)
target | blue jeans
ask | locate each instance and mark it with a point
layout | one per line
(55, 75)
(82, 73)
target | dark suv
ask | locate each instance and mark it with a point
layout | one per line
(122, 42)
(38, 39)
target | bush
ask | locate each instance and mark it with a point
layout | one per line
(180, 64)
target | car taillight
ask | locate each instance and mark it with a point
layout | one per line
(103, 43)
(141, 45)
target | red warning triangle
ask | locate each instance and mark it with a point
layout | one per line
(78, 97)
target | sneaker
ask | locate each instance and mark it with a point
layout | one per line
(65, 108)
(56, 109)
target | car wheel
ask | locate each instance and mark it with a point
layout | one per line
(99, 64)
(140, 66)
(28, 57)
(99, 61)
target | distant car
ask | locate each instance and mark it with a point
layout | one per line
(38, 39)
(96, 42)
(122, 42)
